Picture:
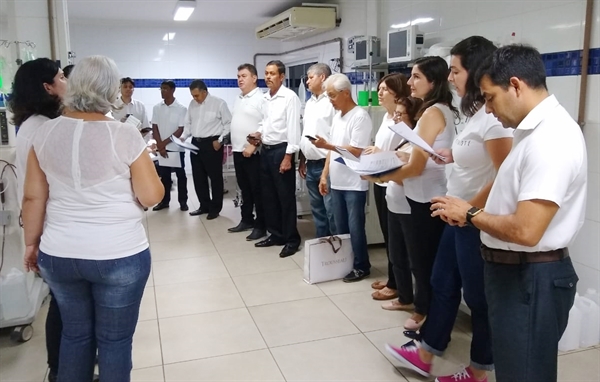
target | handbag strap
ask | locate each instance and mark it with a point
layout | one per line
(331, 241)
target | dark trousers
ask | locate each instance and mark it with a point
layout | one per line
(247, 174)
(165, 178)
(528, 308)
(349, 213)
(382, 213)
(458, 264)
(398, 226)
(208, 164)
(422, 247)
(53, 334)
(279, 196)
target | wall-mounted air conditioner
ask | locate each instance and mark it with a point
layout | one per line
(298, 22)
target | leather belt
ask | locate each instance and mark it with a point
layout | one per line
(501, 256)
(273, 147)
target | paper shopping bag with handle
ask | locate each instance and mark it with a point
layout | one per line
(327, 258)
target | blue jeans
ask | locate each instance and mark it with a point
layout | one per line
(99, 303)
(528, 308)
(349, 212)
(458, 264)
(321, 206)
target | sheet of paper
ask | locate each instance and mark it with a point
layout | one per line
(374, 164)
(409, 134)
(346, 154)
(134, 121)
(184, 144)
(173, 160)
(153, 156)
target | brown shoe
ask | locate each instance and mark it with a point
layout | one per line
(379, 285)
(384, 294)
(396, 305)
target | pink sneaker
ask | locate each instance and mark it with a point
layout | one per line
(464, 376)
(409, 356)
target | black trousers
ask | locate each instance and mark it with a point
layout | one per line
(247, 174)
(53, 335)
(279, 195)
(382, 213)
(422, 240)
(208, 164)
(165, 178)
(399, 225)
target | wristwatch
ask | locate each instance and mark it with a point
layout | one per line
(474, 211)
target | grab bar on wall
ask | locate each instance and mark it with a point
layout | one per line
(585, 58)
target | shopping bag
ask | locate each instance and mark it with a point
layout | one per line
(327, 258)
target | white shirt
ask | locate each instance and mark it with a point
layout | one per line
(353, 129)
(432, 181)
(210, 118)
(548, 161)
(318, 116)
(395, 195)
(91, 212)
(23, 143)
(135, 108)
(473, 167)
(247, 118)
(386, 139)
(169, 118)
(281, 120)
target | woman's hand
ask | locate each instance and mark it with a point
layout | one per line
(30, 260)
(371, 150)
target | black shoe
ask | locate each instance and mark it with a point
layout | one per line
(356, 275)
(241, 227)
(184, 207)
(225, 191)
(160, 206)
(268, 242)
(198, 212)
(212, 216)
(288, 250)
(256, 234)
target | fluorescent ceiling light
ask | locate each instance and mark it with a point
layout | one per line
(169, 36)
(184, 9)
(418, 21)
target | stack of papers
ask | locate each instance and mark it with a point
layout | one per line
(373, 164)
(409, 134)
(134, 122)
(184, 145)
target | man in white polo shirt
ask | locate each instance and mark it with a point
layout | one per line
(168, 119)
(318, 116)
(351, 130)
(534, 210)
(246, 119)
(126, 105)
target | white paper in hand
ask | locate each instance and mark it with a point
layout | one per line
(184, 144)
(346, 154)
(409, 134)
(173, 160)
(374, 164)
(131, 120)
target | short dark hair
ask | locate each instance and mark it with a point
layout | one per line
(169, 83)
(29, 97)
(280, 66)
(397, 83)
(67, 70)
(198, 84)
(126, 80)
(472, 52)
(521, 61)
(249, 67)
(412, 106)
(435, 69)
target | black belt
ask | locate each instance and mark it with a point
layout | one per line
(501, 256)
(273, 147)
(207, 139)
(317, 160)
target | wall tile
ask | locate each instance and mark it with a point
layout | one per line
(593, 201)
(588, 277)
(591, 132)
(497, 9)
(566, 90)
(586, 247)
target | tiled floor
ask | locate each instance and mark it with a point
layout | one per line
(218, 309)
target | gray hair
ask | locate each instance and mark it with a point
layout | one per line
(340, 82)
(93, 85)
(320, 69)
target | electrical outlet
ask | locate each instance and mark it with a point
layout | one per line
(5, 217)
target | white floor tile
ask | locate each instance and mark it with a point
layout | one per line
(146, 345)
(182, 249)
(579, 367)
(188, 270)
(151, 374)
(256, 262)
(366, 313)
(148, 306)
(332, 288)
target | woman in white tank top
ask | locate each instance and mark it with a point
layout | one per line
(423, 178)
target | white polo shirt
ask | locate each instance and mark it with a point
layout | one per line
(353, 129)
(169, 118)
(281, 120)
(386, 139)
(135, 108)
(247, 118)
(318, 116)
(548, 161)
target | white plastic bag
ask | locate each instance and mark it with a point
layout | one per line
(327, 258)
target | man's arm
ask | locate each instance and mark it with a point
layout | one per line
(293, 125)
(225, 116)
(323, 186)
(187, 127)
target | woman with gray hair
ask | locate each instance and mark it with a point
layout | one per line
(88, 178)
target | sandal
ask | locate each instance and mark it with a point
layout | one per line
(384, 294)
(414, 322)
(379, 285)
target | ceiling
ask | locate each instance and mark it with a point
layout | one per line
(207, 11)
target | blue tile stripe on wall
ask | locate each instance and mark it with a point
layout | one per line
(557, 65)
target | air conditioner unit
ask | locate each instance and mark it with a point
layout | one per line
(298, 22)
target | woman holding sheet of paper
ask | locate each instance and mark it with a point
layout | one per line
(423, 179)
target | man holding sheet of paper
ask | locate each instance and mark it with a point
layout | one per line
(350, 134)
(168, 118)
